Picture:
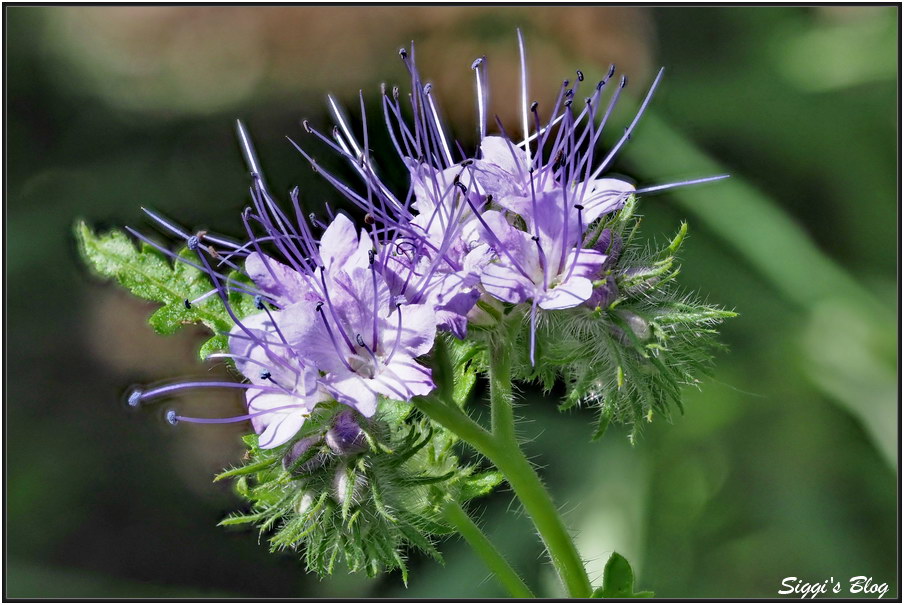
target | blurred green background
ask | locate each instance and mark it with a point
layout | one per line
(785, 463)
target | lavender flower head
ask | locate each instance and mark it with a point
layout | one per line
(348, 315)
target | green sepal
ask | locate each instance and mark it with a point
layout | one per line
(479, 484)
(618, 581)
(363, 509)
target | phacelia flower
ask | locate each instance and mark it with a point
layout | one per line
(516, 220)
(347, 315)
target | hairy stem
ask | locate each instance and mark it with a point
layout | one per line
(508, 577)
(507, 456)
(502, 416)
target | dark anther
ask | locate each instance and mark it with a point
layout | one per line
(359, 340)
(171, 417)
(395, 93)
(259, 302)
(456, 179)
(490, 199)
(370, 256)
(567, 103)
(265, 375)
(467, 162)
(319, 306)
(559, 160)
(461, 186)
(403, 53)
(476, 62)
(193, 242)
(611, 71)
(600, 84)
(624, 81)
(580, 76)
(536, 238)
(369, 219)
(534, 105)
(566, 83)
(187, 303)
(579, 206)
(569, 93)
(588, 101)
(306, 126)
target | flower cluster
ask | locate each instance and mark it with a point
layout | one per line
(348, 315)
(517, 260)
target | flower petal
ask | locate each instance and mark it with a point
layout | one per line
(278, 281)
(566, 295)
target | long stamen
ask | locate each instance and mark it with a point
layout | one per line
(708, 179)
(373, 277)
(524, 126)
(370, 351)
(482, 96)
(398, 337)
(630, 128)
(139, 395)
(174, 418)
(533, 332)
(329, 331)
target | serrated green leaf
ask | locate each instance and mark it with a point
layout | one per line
(148, 274)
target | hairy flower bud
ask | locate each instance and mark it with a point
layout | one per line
(345, 437)
(348, 485)
(638, 325)
(300, 449)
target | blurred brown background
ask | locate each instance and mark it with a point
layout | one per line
(785, 464)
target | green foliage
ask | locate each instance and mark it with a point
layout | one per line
(618, 581)
(630, 357)
(363, 509)
(148, 274)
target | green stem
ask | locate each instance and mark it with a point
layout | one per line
(507, 456)
(502, 417)
(508, 577)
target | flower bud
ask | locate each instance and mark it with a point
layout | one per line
(304, 505)
(348, 484)
(345, 437)
(639, 326)
(604, 294)
(299, 449)
(610, 244)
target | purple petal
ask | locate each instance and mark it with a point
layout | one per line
(568, 294)
(278, 281)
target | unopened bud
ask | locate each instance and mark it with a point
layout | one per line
(348, 484)
(299, 450)
(345, 437)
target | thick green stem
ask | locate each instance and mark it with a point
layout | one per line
(493, 559)
(507, 456)
(502, 416)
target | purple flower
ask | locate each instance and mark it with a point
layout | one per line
(362, 341)
(285, 389)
